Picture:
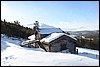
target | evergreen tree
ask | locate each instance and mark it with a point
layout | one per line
(15, 29)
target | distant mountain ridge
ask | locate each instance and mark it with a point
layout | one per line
(94, 33)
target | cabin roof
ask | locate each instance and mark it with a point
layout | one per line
(49, 30)
(71, 36)
(54, 36)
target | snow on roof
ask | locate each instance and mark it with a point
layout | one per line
(52, 37)
(32, 37)
(72, 36)
(49, 30)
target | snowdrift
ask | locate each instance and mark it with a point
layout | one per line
(14, 55)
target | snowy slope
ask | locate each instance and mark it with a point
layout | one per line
(14, 55)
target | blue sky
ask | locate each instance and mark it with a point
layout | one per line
(68, 15)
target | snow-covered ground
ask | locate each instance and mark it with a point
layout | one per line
(14, 55)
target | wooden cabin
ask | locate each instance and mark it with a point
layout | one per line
(57, 42)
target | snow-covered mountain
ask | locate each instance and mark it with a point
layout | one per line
(14, 55)
(42, 25)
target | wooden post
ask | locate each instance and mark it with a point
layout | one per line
(76, 51)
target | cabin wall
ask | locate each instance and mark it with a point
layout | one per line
(37, 37)
(55, 48)
(46, 47)
(71, 47)
(57, 45)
